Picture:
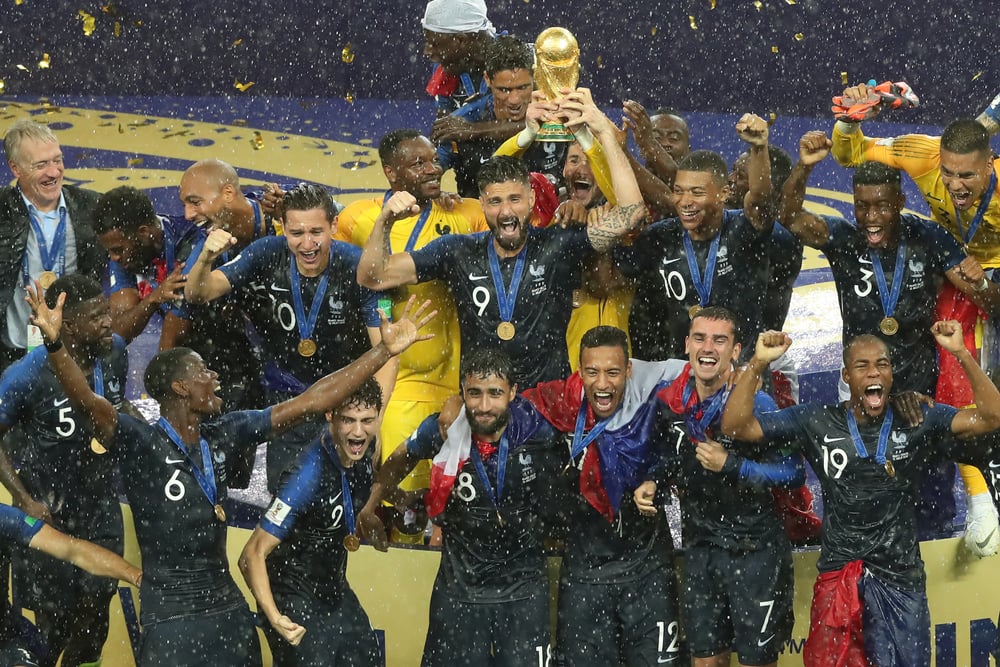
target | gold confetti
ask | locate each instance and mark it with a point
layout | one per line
(243, 87)
(771, 117)
(89, 22)
(349, 97)
(774, 49)
(135, 161)
(791, 2)
(257, 141)
(347, 53)
(711, 4)
(843, 78)
(693, 22)
(799, 37)
(118, 29)
(45, 62)
(758, 5)
(236, 43)
(18, 2)
(977, 75)
(2, 85)
(22, 68)
(239, 122)
(121, 130)
(600, 62)
(652, 31)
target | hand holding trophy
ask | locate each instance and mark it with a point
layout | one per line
(557, 68)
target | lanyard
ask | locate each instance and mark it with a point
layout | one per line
(99, 378)
(506, 298)
(345, 487)
(581, 441)
(697, 426)
(206, 477)
(54, 258)
(702, 283)
(977, 219)
(477, 461)
(470, 88)
(889, 297)
(418, 228)
(883, 435)
(307, 325)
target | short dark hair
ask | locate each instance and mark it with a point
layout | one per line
(506, 53)
(78, 288)
(865, 338)
(389, 146)
(667, 111)
(164, 369)
(877, 173)
(306, 197)
(500, 169)
(720, 313)
(124, 208)
(707, 161)
(604, 336)
(368, 395)
(485, 362)
(964, 136)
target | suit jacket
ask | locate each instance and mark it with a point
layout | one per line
(91, 258)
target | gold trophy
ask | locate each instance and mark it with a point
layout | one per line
(557, 68)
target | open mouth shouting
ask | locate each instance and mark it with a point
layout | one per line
(873, 400)
(962, 199)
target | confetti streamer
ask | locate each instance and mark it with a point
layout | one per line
(89, 22)
(135, 162)
(692, 22)
(243, 87)
(45, 62)
(347, 53)
(257, 141)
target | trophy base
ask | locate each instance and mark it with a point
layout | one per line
(556, 132)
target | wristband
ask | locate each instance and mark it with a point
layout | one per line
(525, 137)
(54, 346)
(585, 138)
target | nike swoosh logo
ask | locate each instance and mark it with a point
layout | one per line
(58, 403)
(764, 643)
(670, 261)
(275, 288)
(828, 439)
(982, 545)
(661, 661)
(484, 160)
(994, 465)
(170, 461)
(473, 276)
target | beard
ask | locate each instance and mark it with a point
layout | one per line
(487, 428)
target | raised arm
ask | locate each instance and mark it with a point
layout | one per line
(101, 415)
(253, 565)
(659, 161)
(808, 227)
(969, 278)
(85, 555)
(985, 417)
(757, 202)
(738, 420)
(990, 117)
(331, 390)
(203, 283)
(378, 268)
(130, 314)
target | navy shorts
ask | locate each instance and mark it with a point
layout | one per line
(222, 639)
(337, 633)
(896, 622)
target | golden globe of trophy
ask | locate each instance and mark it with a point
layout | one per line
(557, 68)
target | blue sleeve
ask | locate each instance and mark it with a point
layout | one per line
(119, 278)
(251, 428)
(254, 259)
(426, 441)
(193, 255)
(839, 232)
(783, 424)
(446, 155)
(298, 488)
(16, 384)
(16, 526)
(943, 246)
(434, 259)
(637, 259)
(786, 471)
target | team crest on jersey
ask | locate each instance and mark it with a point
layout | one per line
(114, 386)
(527, 469)
(219, 457)
(538, 285)
(723, 263)
(336, 311)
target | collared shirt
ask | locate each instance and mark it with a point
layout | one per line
(18, 310)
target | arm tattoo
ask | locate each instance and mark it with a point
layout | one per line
(611, 228)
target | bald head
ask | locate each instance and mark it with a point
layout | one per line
(208, 190)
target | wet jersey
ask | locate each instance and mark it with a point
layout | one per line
(665, 291)
(179, 238)
(542, 306)
(308, 516)
(16, 527)
(717, 508)
(930, 252)
(867, 514)
(264, 270)
(59, 468)
(919, 156)
(182, 542)
(486, 557)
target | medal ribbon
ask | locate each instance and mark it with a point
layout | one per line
(980, 212)
(206, 477)
(53, 259)
(470, 88)
(697, 426)
(702, 283)
(346, 500)
(307, 325)
(581, 441)
(506, 298)
(477, 461)
(99, 378)
(883, 435)
(418, 229)
(889, 297)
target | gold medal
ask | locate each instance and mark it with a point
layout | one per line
(97, 447)
(578, 298)
(506, 330)
(46, 279)
(693, 311)
(220, 513)
(889, 326)
(352, 543)
(307, 347)
(890, 469)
